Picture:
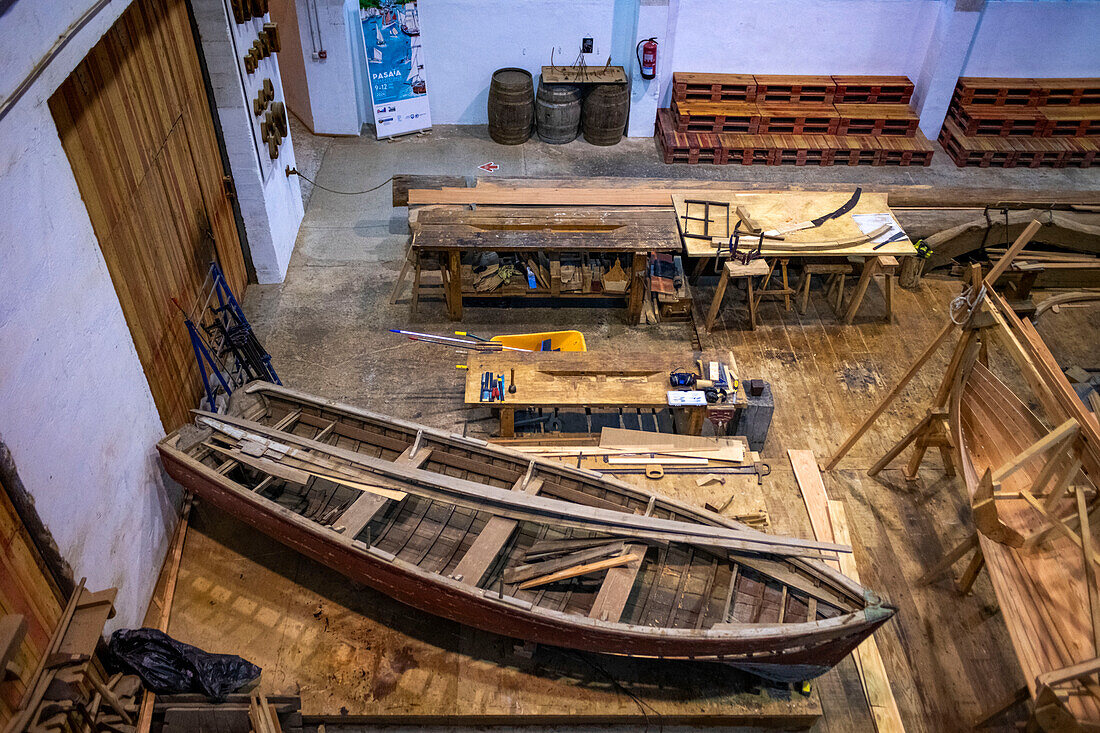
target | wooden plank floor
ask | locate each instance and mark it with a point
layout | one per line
(351, 650)
(947, 657)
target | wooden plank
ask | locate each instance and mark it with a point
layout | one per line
(491, 540)
(616, 588)
(583, 75)
(357, 516)
(579, 570)
(872, 671)
(647, 190)
(808, 477)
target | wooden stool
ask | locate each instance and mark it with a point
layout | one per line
(736, 270)
(833, 269)
(785, 291)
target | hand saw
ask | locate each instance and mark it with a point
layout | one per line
(848, 206)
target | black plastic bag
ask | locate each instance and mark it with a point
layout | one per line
(167, 666)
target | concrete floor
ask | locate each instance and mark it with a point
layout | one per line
(326, 327)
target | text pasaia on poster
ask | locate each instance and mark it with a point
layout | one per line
(395, 66)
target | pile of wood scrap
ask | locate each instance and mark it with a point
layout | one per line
(69, 690)
(551, 561)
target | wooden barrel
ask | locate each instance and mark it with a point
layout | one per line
(557, 112)
(511, 106)
(604, 114)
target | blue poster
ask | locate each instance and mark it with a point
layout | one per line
(395, 66)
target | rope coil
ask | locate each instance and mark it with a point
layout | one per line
(962, 305)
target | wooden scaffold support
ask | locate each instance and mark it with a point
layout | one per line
(930, 431)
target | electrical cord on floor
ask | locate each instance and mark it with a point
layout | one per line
(642, 705)
(295, 172)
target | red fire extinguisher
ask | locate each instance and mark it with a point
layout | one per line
(646, 51)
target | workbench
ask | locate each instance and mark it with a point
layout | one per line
(588, 379)
(706, 221)
(446, 234)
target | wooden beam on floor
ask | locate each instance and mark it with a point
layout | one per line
(830, 523)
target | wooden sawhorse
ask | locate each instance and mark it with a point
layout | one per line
(730, 270)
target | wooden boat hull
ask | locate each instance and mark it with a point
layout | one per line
(992, 426)
(788, 651)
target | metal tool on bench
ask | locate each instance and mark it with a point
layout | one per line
(716, 388)
(492, 387)
(736, 253)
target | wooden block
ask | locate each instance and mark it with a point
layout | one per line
(13, 627)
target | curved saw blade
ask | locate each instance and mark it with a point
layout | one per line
(812, 223)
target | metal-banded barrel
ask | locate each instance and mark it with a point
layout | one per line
(604, 113)
(511, 106)
(558, 112)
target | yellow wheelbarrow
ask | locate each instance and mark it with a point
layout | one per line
(545, 341)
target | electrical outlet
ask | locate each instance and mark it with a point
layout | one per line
(586, 45)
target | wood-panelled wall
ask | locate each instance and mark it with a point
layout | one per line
(136, 125)
(25, 589)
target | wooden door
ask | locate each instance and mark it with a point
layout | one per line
(27, 590)
(136, 125)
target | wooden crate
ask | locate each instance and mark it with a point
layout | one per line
(873, 89)
(692, 116)
(795, 89)
(797, 119)
(998, 120)
(1062, 92)
(1016, 152)
(876, 119)
(788, 149)
(1072, 121)
(687, 147)
(713, 87)
(998, 91)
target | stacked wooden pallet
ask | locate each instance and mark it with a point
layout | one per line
(1009, 123)
(791, 120)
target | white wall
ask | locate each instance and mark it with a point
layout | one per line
(465, 41)
(1036, 38)
(803, 36)
(75, 408)
(331, 81)
(270, 201)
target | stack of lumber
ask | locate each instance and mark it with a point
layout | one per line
(1009, 123)
(799, 120)
(238, 712)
